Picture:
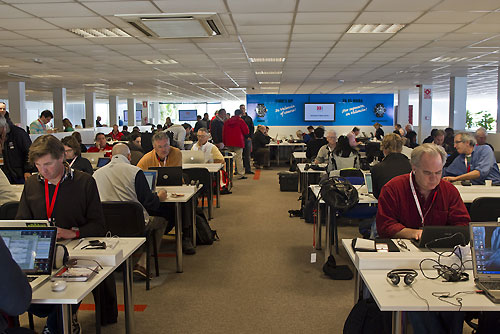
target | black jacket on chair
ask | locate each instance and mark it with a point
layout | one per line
(393, 165)
(313, 147)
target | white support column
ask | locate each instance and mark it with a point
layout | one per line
(458, 101)
(90, 112)
(155, 112)
(425, 111)
(498, 101)
(113, 110)
(17, 103)
(130, 112)
(402, 116)
(59, 100)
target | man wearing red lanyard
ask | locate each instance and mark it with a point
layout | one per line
(69, 199)
(101, 145)
(410, 201)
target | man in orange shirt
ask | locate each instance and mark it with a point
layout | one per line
(162, 155)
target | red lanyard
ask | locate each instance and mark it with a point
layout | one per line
(417, 203)
(50, 207)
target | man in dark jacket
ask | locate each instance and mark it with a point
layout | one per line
(216, 128)
(67, 198)
(247, 150)
(15, 144)
(234, 132)
(261, 151)
(315, 144)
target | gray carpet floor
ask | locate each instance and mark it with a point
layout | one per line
(257, 279)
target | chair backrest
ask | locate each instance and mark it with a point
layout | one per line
(199, 174)
(373, 151)
(485, 209)
(146, 142)
(8, 211)
(124, 219)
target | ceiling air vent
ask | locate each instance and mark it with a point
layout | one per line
(186, 25)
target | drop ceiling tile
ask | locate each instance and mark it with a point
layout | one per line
(9, 35)
(449, 17)
(59, 10)
(265, 29)
(325, 17)
(25, 24)
(397, 5)
(315, 37)
(8, 12)
(79, 22)
(124, 7)
(22, 42)
(320, 28)
(427, 36)
(431, 28)
(261, 6)
(191, 6)
(466, 5)
(387, 17)
(480, 28)
(48, 33)
(265, 38)
(262, 18)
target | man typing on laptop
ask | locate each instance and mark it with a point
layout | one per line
(410, 201)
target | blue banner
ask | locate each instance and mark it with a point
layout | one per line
(350, 109)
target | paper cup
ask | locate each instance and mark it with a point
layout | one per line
(488, 183)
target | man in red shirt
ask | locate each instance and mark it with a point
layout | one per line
(116, 134)
(410, 201)
(233, 135)
(101, 145)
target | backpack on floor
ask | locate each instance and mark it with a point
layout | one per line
(204, 234)
(366, 318)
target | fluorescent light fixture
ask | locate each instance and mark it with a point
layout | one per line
(99, 33)
(268, 72)
(275, 88)
(94, 85)
(45, 76)
(17, 75)
(269, 82)
(381, 82)
(367, 87)
(4, 66)
(267, 60)
(375, 28)
(237, 88)
(182, 73)
(448, 59)
(159, 62)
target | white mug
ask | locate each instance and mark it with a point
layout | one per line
(488, 182)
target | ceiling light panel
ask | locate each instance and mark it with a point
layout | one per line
(268, 72)
(375, 28)
(159, 62)
(267, 60)
(448, 59)
(99, 33)
(381, 82)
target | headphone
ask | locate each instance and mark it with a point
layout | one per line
(395, 276)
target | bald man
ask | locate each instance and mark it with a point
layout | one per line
(121, 181)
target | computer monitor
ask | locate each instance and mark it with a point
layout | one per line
(103, 162)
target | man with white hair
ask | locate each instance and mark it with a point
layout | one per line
(481, 136)
(325, 153)
(121, 181)
(474, 162)
(212, 153)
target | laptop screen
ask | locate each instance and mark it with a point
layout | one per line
(31, 248)
(486, 240)
(151, 177)
(368, 182)
(103, 162)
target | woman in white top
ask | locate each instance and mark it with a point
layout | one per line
(345, 156)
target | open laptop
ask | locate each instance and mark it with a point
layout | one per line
(485, 247)
(24, 223)
(33, 249)
(445, 236)
(193, 157)
(151, 176)
(93, 157)
(168, 176)
(103, 162)
(368, 182)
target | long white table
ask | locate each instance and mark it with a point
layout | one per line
(470, 193)
(284, 145)
(187, 193)
(77, 291)
(304, 175)
(213, 169)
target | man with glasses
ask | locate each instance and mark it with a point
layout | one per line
(474, 162)
(212, 153)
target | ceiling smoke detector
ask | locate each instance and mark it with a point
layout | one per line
(182, 25)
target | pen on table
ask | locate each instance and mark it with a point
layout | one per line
(79, 242)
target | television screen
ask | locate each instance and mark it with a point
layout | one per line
(187, 115)
(319, 112)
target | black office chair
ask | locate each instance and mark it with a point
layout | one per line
(373, 151)
(8, 211)
(126, 219)
(203, 176)
(485, 209)
(146, 141)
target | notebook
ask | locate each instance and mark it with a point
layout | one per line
(485, 247)
(168, 176)
(33, 249)
(445, 236)
(151, 176)
(193, 157)
(368, 182)
(101, 162)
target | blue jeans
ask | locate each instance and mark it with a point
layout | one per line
(437, 322)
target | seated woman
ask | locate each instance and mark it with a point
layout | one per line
(135, 146)
(68, 127)
(345, 156)
(78, 138)
(72, 154)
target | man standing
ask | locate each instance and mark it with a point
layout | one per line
(216, 126)
(67, 198)
(101, 145)
(475, 163)
(39, 126)
(162, 155)
(15, 144)
(247, 150)
(352, 137)
(325, 153)
(234, 132)
(212, 153)
(120, 181)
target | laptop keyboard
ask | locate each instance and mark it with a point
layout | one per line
(491, 285)
(32, 278)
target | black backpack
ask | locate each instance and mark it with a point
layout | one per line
(204, 234)
(366, 318)
(338, 192)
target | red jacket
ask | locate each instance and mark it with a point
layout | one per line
(107, 150)
(118, 136)
(397, 208)
(234, 132)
